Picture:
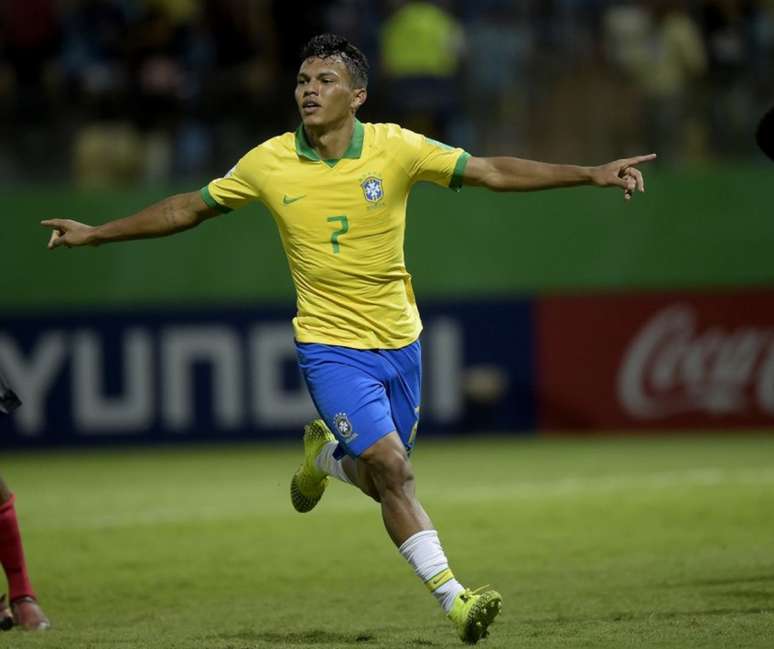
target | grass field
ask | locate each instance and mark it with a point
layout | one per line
(602, 543)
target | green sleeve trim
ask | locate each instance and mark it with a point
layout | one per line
(459, 170)
(211, 202)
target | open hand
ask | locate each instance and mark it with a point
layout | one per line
(67, 233)
(622, 173)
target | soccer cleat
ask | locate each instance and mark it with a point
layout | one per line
(6, 617)
(309, 483)
(28, 615)
(473, 612)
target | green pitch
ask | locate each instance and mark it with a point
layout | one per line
(600, 543)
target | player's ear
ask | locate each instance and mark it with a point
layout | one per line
(358, 98)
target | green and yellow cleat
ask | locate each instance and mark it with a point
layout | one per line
(473, 612)
(308, 483)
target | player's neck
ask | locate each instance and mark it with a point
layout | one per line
(331, 141)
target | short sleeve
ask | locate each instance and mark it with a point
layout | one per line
(435, 162)
(241, 185)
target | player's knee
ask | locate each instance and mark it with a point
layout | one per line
(391, 471)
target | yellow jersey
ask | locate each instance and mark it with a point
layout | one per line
(342, 225)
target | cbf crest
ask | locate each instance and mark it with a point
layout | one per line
(372, 189)
(344, 426)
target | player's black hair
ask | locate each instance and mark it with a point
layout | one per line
(324, 45)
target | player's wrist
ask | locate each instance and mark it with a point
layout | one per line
(589, 175)
(93, 235)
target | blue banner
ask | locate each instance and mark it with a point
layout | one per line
(152, 375)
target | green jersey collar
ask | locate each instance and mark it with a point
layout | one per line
(305, 150)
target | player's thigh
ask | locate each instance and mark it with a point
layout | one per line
(405, 391)
(348, 395)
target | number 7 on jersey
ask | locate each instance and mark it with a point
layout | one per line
(343, 229)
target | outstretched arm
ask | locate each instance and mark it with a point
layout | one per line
(517, 175)
(173, 214)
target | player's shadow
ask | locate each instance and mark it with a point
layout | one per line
(312, 637)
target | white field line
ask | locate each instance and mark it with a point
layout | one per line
(193, 507)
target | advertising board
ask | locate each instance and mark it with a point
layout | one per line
(230, 373)
(676, 360)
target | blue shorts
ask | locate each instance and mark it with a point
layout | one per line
(364, 394)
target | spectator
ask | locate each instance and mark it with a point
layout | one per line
(422, 46)
(731, 46)
(29, 37)
(162, 89)
(661, 49)
(497, 74)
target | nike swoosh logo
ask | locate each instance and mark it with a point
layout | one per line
(287, 200)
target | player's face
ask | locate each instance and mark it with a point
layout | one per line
(324, 92)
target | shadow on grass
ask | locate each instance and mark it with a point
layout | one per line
(315, 636)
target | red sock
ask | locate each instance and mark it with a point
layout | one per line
(12, 553)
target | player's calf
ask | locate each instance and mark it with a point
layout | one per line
(412, 531)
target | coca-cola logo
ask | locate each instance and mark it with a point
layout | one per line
(672, 368)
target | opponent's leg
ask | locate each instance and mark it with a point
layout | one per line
(387, 467)
(6, 616)
(26, 612)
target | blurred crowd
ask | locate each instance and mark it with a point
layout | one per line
(120, 91)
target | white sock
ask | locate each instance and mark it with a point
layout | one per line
(329, 464)
(424, 552)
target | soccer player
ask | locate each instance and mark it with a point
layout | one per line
(24, 610)
(337, 189)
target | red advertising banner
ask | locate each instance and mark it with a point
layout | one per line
(678, 360)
